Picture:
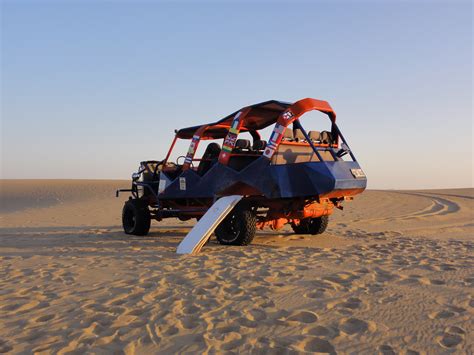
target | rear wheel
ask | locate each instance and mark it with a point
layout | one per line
(136, 217)
(238, 228)
(311, 225)
(301, 228)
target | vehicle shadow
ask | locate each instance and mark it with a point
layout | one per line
(101, 240)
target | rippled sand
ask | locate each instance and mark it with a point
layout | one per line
(393, 274)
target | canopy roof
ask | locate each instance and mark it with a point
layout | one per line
(260, 116)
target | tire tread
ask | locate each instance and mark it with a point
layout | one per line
(247, 220)
(142, 217)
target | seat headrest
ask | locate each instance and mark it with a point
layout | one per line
(288, 135)
(213, 148)
(299, 136)
(259, 145)
(242, 144)
(315, 136)
(326, 137)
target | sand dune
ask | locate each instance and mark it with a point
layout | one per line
(393, 274)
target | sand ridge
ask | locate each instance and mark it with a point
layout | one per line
(394, 274)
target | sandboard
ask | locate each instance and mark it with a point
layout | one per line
(201, 232)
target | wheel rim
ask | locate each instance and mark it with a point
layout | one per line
(129, 219)
(232, 230)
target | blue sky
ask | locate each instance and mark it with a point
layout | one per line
(89, 89)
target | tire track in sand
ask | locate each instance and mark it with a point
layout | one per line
(438, 207)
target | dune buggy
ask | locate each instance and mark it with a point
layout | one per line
(297, 177)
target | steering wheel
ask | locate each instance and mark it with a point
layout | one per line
(157, 167)
(182, 156)
(177, 159)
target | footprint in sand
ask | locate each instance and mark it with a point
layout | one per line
(119, 302)
(209, 285)
(447, 267)
(363, 271)
(452, 337)
(189, 322)
(469, 281)
(342, 278)
(169, 331)
(147, 284)
(256, 315)
(384, 276)
(441, 314)
(190, 309)
(44, 318)
(449, 312)
(436, 282)
(352, 326)
(4, 347)
(10, 307)
(232, 344)
(297, 267)
(32, 335)
(135, 312)
(227, 338)
(389, 299)
(315, 294)
(386, 350)
(351, 303)
(321, 331)
(456, 309)
(317, 345)
(411, 280)
(303, 317)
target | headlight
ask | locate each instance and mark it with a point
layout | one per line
(135, 176)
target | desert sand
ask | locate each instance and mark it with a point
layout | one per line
(393, 274)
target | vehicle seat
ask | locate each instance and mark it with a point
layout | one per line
(288, 135)
(209, 158)
(242, 144)
(259, 145)
(243, 155)
(326, 137)
(299, 136)
(315, 136)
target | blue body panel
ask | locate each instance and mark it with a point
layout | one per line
(272, 181)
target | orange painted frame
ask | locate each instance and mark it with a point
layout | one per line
(295, 111)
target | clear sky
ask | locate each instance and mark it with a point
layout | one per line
(91, 88)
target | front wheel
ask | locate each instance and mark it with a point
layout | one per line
(311, 225)
(136, 218)
(238, 228)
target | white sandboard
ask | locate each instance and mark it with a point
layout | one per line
(201, 232)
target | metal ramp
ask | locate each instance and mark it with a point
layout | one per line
(201, 232)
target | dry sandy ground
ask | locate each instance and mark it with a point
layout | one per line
(393, 274)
